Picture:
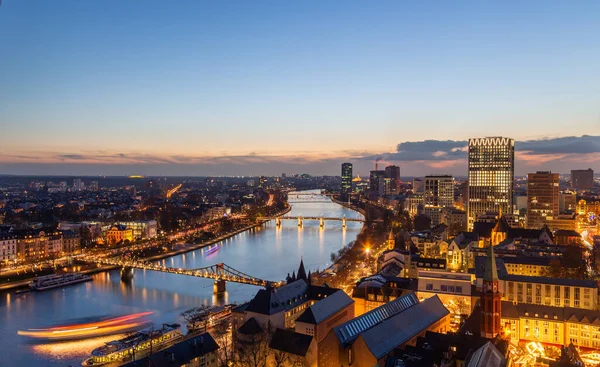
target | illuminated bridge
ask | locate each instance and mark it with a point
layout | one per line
(220, 273)
(321, 220)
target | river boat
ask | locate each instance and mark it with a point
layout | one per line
(57, 280)
(138, 345)
(210, 317)
(212, 250)
(90, 327)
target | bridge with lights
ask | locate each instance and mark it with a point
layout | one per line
(321, 220)
(220, 273)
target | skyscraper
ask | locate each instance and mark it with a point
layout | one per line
(346, 180)
(377, 182)
(392, 180)
(582, 178)
(439, 191)
(542, 198)
(491, 176)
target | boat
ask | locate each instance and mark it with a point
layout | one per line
(90, 327)
(57, 280)
(212, 250)
(137, 345)
(208, 318)
(21, 291)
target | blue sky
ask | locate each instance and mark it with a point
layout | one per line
(167, 87)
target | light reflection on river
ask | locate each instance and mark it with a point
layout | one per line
(268, 253)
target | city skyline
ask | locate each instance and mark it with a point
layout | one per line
(416, 159)
(224, 89)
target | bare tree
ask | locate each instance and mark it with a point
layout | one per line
(253, 352)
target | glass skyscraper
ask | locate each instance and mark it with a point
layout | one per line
(346, 179)
(491, 176)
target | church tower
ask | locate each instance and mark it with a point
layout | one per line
(391, 241)
(490, 298)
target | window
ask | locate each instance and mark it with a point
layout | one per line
(529, 291)
(557, 295)
(510, 292)
(429, 287)
(538, 294)
(547, 294)
(520, 292)
(567, 296)
(444, 288)
(458, 289)
(587, 297)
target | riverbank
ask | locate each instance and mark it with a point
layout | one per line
(188, 248)
(349, 206)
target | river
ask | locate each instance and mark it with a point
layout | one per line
(265, 252)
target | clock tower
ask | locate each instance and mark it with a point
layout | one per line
(490, 298)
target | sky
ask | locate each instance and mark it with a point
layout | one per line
(193, 87)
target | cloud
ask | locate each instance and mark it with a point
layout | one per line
(452, 150)
(566, 145)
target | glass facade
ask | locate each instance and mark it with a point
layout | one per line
(346, 178)
(491, 176)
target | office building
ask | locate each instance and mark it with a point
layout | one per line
(377, 182)
(542, 198)
(491, 176)
(439, 191)
(567, 201)
(582, 179)
(417, 185)
(392, 180)
(346, 180)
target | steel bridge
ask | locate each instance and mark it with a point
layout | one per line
(220, 273)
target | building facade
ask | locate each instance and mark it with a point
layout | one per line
(346, 188)
(392, 180)
(377, 182)
(542, 198)
(491, 176)
(582, 178)
(439, 191)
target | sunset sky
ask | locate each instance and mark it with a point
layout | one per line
(263, 87)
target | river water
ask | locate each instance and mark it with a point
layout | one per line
(265, 252)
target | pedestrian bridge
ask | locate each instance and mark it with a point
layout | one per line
(321, 220)
(220, 273)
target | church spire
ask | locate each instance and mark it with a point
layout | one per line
(491, 273)
(301, 271)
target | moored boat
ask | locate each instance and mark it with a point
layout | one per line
(209, 317)
(57, 280)
(137, 345)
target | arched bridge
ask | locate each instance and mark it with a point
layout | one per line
(221, 272)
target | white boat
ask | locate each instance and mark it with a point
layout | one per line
(138, 344)
(57, 280)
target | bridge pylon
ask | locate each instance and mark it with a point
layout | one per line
(219, 286)
(299, 222)
(322, 222)
(344, 222)
(278, 222)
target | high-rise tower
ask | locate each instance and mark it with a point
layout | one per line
(491, 176)
(542, 198)
(346, 180)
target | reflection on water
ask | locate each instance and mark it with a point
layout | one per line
(268, 253)
(68, 350)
